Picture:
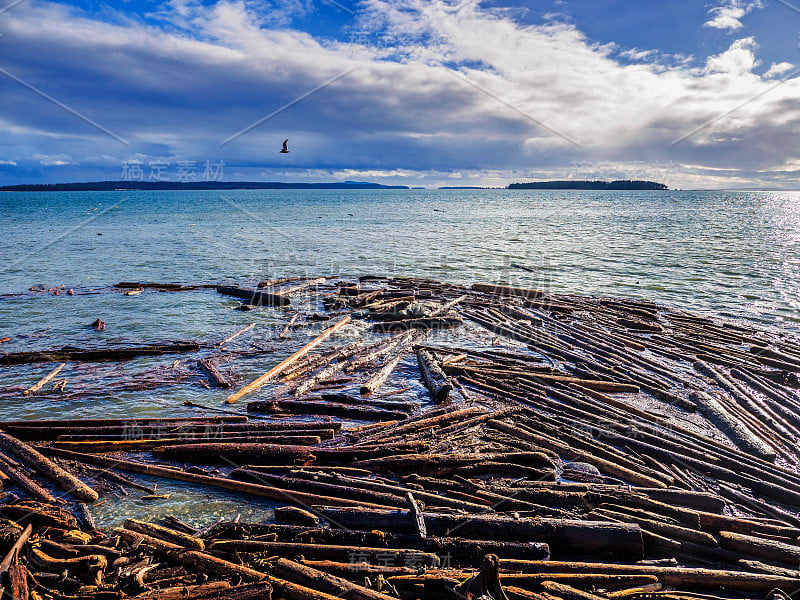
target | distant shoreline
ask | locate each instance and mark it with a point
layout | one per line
(136, 186)
(625, 184)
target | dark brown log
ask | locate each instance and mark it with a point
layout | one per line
(145, 444)
(47, 468)
(421, 463)
(380, 377)
(254, 297)
(397, 556)
(312, 578)
(78, 354)
(133, 422)
(422, 323)
(507, 291)
(18, 582)
(433, 376)
(310, 407)
(24, 482)
(678, 576)
(760, 547)
(563, 536)
(165, 533)
(296, 516)
(211, 371)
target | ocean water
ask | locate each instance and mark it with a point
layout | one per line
(725, 253)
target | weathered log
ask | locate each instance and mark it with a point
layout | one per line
(165, 533)
(47, 468)
(90, 568)
(312, 578)
(78, 354)
(737, 431)
(679, 576)
(507, 291)
(214, 376)
(254, 297)
(421, 323)
(398, 556)
(24, 482)
(218, 482)
(44, 380)
(434, 377)
(296, 516)
(420, 463)
(15, 549)
(150, 444)
(280, 367)
(562, 535)
(18, 582)
(380, 377)
(760, 547)
(311, 407)
(131, 422)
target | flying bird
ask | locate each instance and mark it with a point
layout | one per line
(285, 149)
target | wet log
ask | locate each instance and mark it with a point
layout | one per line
(380, 377)
(422, 323)
(214, 376)
(311, 407)
(296, 516)
(47, 468)
(434, 377)
(280, 367)
(150, 444)
(506, 291)
(131, 422)
(562, 535)
(678, 576)
(420, 422)
(263, 491)
(165, 533)
(760, 547)
(254, 297)
(44, 380)
(737, 431)
(78, 354)
(313, 578)
(24, 482)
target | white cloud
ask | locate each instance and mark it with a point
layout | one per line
(177, 93)
(728, 15)
(8, 162)
(777, 69)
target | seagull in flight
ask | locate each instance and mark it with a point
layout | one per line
(285, 149)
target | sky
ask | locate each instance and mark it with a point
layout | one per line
(412, 92)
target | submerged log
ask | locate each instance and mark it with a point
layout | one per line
(214, 376)
(44, 380)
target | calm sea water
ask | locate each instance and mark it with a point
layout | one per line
(734, 254)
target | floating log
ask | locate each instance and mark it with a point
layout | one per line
(277, 369)
(380, 377)
(313, 578)
(79, 354)
(214, 376)
(44, 380)
(310, 407)
(505, 290)
(421, 323)
(254, 297)
(24, 482)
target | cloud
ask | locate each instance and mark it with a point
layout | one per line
(777, 69)
(728, 15)
(176, 91)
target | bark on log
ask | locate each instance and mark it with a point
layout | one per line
(380, 377)
(214, 376)
(760, 547)
(312, 578)
(434, 377)
(24, 482)
(310, 407)
(47, 468)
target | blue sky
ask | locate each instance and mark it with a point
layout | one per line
(436, 92)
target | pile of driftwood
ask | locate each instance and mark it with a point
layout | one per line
(565, 448)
